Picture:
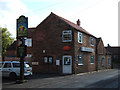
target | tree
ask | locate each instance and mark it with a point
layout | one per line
(5, 40)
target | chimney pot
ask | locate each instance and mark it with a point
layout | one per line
(78, 22)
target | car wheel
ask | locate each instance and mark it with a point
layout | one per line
(13, 76)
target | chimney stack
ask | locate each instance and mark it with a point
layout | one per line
(78, 22)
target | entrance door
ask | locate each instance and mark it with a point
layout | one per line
(67, 64)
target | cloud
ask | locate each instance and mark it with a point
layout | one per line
(10, 10)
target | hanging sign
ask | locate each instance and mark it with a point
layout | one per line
(22, 26)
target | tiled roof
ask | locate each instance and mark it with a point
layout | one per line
(73, 25)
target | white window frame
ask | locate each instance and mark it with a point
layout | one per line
(50, 59)
(28, 43)
(66, 32)
(91, 59)
(45, 59)
(29, 55)
(81, 58)
(92, 40)
(80, 36)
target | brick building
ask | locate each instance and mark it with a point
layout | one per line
(115, 51)
(60, 46)
(11, 53)
(57, 45)
(103, 57)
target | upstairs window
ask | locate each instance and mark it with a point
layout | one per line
(92, 41)
(67, 36)
(28, 42)
(80, 37)
(92, 59)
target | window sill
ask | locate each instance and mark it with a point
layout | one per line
(91, 63)
(80, 42)
(80, 64)
(67, 41)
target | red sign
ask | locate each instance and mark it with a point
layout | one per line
(66, 48)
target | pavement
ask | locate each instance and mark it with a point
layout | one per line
(98, 79)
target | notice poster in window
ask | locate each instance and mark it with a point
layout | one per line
(66, 61)
(57, 62)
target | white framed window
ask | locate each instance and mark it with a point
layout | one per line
(109, 62)
(92, 59)
(45, 60)
(50, 59)
(67, 36)
(80, 37)
(29, 55)
(92, 41)
(28, 42)
(80, 60)
(102, 62)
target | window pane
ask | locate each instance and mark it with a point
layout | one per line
(1, 65)
(16, 65)
(80, 37)
(80, 59)
(92, 41)
(28, 42)
(7, 65)
(108, 60)
(92, 59)
(67, 35)
(45, 59)
(50, 59)
(66, 60)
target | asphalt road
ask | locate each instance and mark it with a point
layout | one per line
(100, 79)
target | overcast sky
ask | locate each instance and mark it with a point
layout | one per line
(98, 17)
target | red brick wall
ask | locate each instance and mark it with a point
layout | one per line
(99, 48)
(48, 37)
(87, 66)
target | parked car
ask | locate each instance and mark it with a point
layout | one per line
(12, 69)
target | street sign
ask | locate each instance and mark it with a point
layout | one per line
(22, 26)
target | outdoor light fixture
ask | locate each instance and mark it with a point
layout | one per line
(43, 51)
